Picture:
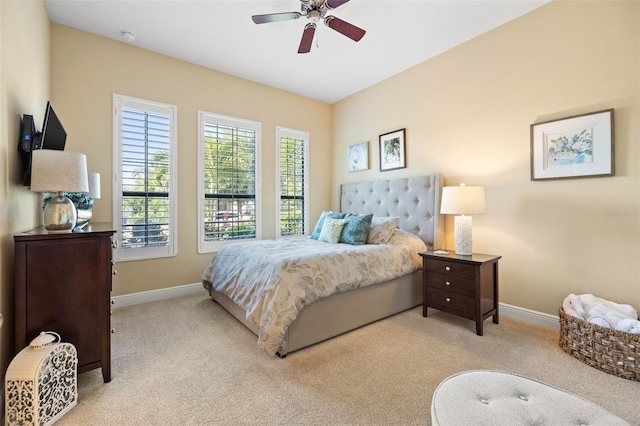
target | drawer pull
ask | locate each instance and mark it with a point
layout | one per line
(447, 268)
(114, 272)
(447, 283)
(448, 299)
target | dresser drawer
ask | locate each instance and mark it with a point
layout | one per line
(451, 283)
(440, 298)
(451, 268)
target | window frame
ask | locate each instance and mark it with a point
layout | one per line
(294, 134)
(219, 119)
(139, 253)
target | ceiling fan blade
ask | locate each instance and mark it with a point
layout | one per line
(275, 17)
(344, 28)
(332, 4)
(307, 38)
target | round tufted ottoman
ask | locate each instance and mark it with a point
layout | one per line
(482, 397)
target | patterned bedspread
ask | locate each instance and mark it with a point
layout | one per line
(272, 280)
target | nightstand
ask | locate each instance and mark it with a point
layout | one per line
(466, 286)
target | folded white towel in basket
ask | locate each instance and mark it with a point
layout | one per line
(628, 325)
(602, 312)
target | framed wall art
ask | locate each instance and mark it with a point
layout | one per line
(573, 147)
(392, 150)
(358, 157)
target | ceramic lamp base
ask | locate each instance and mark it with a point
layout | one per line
(462, 228)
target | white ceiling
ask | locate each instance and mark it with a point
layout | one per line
(220, 34)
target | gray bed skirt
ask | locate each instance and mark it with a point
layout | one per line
(338, 313)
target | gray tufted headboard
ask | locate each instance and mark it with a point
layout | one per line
(416, 200)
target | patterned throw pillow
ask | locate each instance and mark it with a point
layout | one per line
(356, 229)
(331, 230)
(381, 229)
(316, 231)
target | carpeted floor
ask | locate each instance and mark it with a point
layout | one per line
(185, 361)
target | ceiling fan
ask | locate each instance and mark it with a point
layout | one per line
(314, 11)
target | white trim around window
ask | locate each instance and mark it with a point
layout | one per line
(144, 209)
(229, 188)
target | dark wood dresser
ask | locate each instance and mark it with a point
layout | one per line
(466, 286)
(63, 284)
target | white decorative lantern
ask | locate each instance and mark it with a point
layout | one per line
(41, 383)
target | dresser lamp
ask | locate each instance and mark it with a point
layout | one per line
(463, 200)
(94, 185)
(57, 172)
(86, 213)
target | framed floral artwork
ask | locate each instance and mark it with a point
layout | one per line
(358, 157)
(392, 150)
(573, 147)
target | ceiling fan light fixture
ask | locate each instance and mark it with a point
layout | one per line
(314, 16)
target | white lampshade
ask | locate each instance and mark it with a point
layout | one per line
(58, 171)
(463, 200)
(94, 185)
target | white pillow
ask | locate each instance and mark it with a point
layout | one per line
(331, 230)
(381, 229)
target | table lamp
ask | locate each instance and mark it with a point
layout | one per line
(84, 202)
(463, 200)
(94, 185)
(58, 172)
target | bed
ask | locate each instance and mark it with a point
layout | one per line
(415, 200)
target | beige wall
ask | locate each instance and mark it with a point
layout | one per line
(24, 89)
(467, 115)
(86, 70)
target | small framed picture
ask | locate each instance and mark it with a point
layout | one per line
(358, 157)
(573, 147)
(392, 150)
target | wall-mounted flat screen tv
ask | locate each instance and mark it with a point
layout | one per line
(53, 136)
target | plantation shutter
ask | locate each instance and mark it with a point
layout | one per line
(144, 202)
(292, 186)
(145, 178)
(229, 180)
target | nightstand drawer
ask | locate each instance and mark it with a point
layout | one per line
(440, 298)
(451, 283)
(451, 268)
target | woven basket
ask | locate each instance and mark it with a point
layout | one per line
(612, 351)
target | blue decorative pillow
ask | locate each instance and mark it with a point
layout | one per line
(356, 230)
(331, 230)
(333, 215)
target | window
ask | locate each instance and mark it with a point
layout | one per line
(293, 182)
(144, 196)
(228, 172)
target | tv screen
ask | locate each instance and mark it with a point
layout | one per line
(53, 134)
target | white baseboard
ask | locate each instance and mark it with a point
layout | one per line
(532, 317)
(511, 311)
(155, 295)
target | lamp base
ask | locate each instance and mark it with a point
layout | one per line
(60, 214)
(84, 216)
(463, 237)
